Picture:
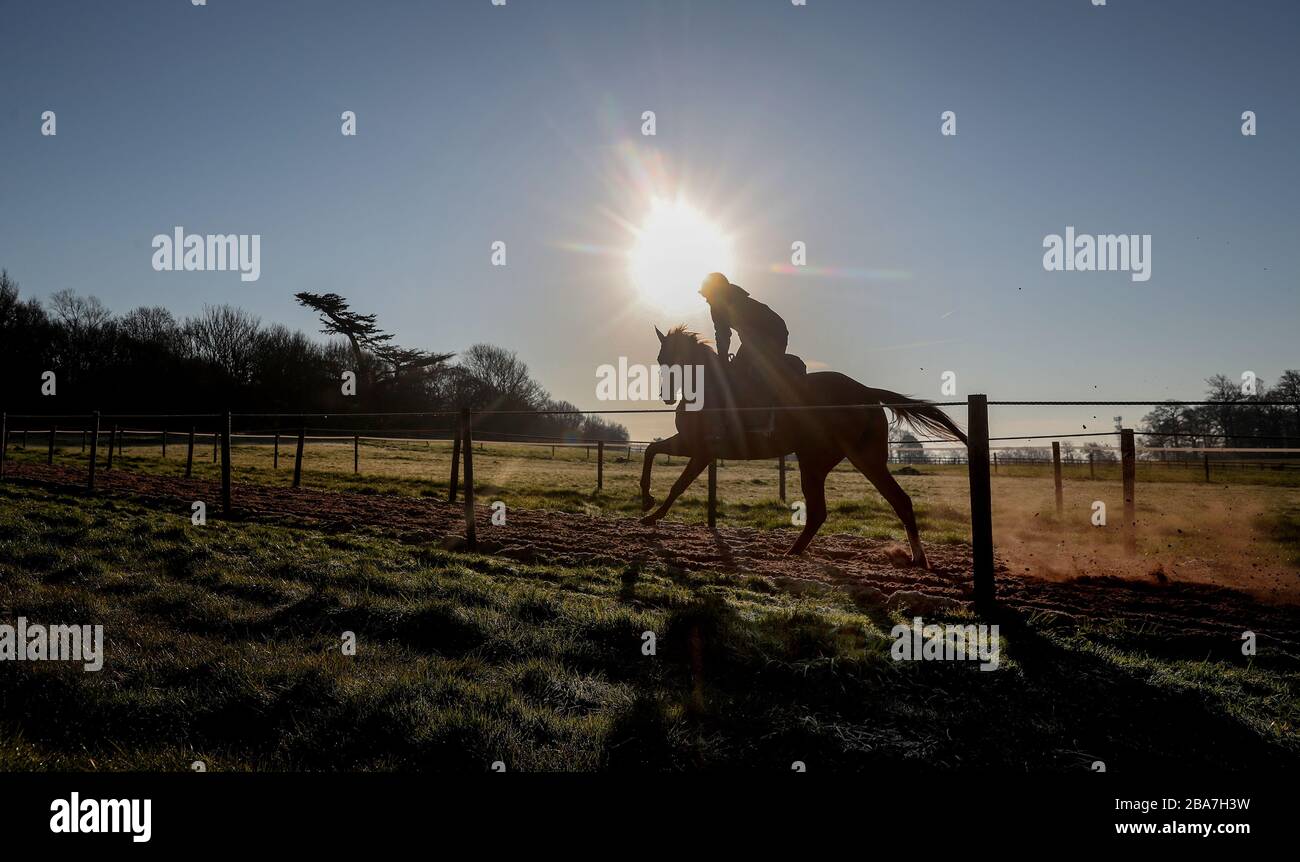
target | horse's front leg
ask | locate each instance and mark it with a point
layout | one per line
(672, 446)
(693, 469)
(647, 464)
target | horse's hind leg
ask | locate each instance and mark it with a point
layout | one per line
(873, 464)
(812, 479)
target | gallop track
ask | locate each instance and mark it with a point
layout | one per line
(1178, 618)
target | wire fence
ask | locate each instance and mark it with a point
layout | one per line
(980, 457)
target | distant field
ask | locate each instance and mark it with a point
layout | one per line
(1242, 530)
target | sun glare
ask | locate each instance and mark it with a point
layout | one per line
(676, 247)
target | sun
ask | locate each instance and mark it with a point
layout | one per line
(676, 247)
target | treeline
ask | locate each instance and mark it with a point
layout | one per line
(146, 361)
(1246, 422)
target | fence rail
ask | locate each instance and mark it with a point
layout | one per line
(980, 458)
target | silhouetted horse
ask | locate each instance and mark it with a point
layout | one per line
(821, 438)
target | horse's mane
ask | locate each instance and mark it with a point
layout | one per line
(681, 330)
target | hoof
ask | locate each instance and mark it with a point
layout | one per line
(648, 521)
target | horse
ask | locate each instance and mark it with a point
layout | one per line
(819, 433)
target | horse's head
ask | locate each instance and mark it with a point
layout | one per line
(680, 349)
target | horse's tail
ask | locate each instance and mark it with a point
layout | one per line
(919, 415)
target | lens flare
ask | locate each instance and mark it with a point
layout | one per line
(676, 247)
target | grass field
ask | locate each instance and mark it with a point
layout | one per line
(1242, 531)
(223, 646)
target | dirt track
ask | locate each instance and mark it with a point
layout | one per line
(873, 572)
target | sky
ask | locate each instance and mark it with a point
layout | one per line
(821, 124)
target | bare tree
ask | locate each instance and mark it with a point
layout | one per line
(81, 316)
(504, 374)
(226, 336)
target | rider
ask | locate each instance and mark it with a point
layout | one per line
(760, 360)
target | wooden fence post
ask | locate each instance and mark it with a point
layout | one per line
(981, 498)
(713, 493)
(297, 458)
(455, 459)
(1056, 472)
(275, 456)
(600, 464)
(225, 466)
(49, 455)
(112, 440)
(995, 461)
(189, 455)
(467, 449)
(94, 450)
(215, 439)
(356, 454)
(164, 443)
(4, 441)
(1092, 465)
(1207, 466)
(1128, 453)
(780, 466)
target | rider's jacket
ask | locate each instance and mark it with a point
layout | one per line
(732, 308)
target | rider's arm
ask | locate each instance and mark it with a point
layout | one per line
(721, 331)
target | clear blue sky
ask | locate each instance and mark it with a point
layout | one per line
(821, 123)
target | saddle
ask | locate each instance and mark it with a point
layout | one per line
(754, 389)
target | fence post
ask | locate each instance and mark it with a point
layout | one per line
(780, 466)
(356, 454)
(455, 459)
(4, 441)
(83, 441)
(995, 461)
(275, 457)
(467, 447)
(1129, 455)
(225, 466)
(1056, 472)
(94, 450)
(215, 438)
(112, 441)
(713, 493)
(164, 443)
(24, 446)
(1092, 465)
(981, 498)
(189, 455)
(600, 464)
(297, 458)
(1207, 466)
(49, 455)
